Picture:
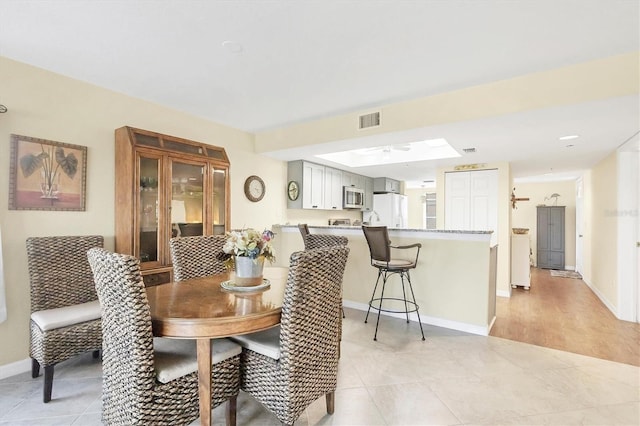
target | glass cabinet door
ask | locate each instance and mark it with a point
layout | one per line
(148, 203)
(219, 203)
(187, 201)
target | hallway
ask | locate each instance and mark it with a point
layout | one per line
(564, 314)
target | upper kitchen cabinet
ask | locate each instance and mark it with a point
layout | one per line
(332, 189)
(383, 185)
(166, 187)
(321, 187)
(368, 194)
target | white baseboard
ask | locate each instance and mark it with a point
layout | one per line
(503, 293)
(438, 322)
(606, 303)
(493, 321)
(15, 368)
(569, 268)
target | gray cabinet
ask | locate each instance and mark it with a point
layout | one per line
(550, 237)
(368, 194)
(384, 185)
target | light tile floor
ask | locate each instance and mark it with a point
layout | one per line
(452, 378)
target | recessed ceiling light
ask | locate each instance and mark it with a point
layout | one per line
(568, 137)
(232, 46)
(570, 145)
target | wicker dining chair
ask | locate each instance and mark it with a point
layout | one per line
(65, 312)
(304, 232)
(198, 256)
(288, 367)
(147, 380)
(315, 241)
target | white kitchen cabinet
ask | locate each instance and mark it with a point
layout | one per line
(313, 179)
(332, 189)
(321, 187)
(520, 266)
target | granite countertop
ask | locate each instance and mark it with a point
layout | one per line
(445, 231)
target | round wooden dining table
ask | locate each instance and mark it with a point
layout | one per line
(202, 309)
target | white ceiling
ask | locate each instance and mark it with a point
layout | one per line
(306, 60)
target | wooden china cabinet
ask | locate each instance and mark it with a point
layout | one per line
(166, 187)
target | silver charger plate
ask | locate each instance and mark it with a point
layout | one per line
(231, 286)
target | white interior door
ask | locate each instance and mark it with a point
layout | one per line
(579, 227)
(471, 201)
(628, 159)
(456, 205)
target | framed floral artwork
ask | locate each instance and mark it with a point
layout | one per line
(46, 175)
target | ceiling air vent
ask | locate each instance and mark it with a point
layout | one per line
(369, 120)
(469, 150)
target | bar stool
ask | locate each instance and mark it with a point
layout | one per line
(380, 251)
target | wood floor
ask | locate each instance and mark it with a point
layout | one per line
(563, 313)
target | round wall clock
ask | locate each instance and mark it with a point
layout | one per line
(254, 188)
(293, 191)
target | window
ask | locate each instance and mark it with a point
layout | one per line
(429, 210)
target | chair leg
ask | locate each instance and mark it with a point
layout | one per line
(417, 310)
(404, 296)
(48, 383)
(35, 368)
(330, 397)
(230, 412)
(96, 354)
(373, 295)
(384, 283)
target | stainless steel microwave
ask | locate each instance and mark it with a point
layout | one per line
(353, 198)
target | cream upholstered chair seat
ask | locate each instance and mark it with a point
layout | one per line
(174, 358)
(265, 342)
(50, 319)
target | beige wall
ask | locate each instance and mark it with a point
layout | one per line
(45, 105)
(525, 215)
(604, 230)
(416, 206)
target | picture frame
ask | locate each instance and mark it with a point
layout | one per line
(46, 175)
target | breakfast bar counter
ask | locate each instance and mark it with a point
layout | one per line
(454, 281)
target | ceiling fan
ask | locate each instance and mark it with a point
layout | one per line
(388, 148)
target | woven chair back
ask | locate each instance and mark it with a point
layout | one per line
(316, 241)
(198, 256)
(310, 321)
(59, 272)
(127, 359)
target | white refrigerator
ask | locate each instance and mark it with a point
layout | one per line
(389, 210)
